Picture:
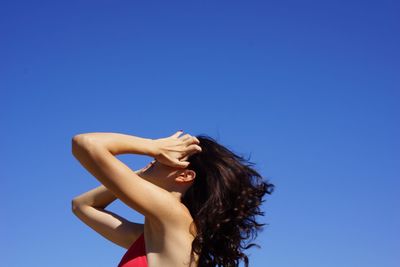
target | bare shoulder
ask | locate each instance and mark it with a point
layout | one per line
(171, 242)
(180, 223)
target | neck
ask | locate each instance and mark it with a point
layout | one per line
(179, 190)
(177, 195)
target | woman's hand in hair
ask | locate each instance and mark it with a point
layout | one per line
(174, 150)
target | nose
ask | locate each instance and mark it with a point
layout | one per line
(149, 165)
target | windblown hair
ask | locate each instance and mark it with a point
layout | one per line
(224, 200)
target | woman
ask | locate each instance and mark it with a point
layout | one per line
(199, 199)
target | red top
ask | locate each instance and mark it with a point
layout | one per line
(135, 256)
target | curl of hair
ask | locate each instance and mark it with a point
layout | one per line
(224, 201)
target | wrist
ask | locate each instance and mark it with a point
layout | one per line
(153, 150)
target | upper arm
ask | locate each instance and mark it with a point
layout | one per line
(108, 224)
(139, 194)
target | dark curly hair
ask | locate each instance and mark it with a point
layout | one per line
(223, 201)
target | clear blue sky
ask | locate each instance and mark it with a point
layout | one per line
(308, 89)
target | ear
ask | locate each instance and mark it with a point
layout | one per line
(186, 176)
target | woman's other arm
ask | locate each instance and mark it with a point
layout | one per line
(96, 152)
(90, 207)
(99, 197)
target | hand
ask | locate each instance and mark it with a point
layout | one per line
(174, 150)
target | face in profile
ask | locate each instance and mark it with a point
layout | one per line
(157, 170)
(164, 175)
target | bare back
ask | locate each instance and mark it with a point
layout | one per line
(169, 246)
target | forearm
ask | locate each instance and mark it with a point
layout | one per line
(98, 197)
(118, 143)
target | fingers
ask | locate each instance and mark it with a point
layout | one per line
(188, 139)
(196, 140)
(185, 137)
(178, 133)
(190, 150)
(181, 164)
(194, 147)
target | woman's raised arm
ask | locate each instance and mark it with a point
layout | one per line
(90, 207)
(96, 152)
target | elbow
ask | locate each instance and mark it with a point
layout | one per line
(74, 206)
(79, 142)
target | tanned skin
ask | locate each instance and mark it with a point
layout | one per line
(154, 191)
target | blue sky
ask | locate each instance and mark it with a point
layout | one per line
(308, 89)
